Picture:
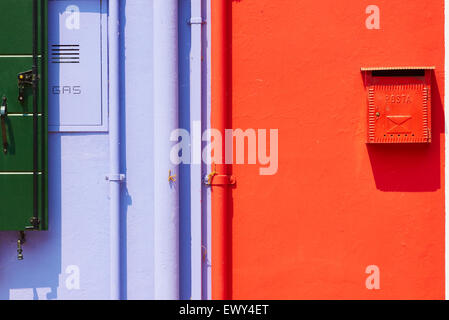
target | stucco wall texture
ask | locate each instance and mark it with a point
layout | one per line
(72, 259)
(336, 204)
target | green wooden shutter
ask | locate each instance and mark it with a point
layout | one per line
(23, 142)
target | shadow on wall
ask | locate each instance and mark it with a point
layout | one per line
(411, 167)
(185, 214)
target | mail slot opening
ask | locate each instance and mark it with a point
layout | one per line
(399, 73)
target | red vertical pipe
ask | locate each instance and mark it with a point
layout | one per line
(220, 120)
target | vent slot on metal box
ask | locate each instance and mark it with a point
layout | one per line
(65, 53)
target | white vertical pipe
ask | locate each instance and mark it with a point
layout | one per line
(196, 23)
(114, 148)
(166, 194)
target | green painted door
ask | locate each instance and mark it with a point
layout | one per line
(23, 120)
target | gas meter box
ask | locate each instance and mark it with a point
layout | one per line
(23, 115)
(399, 104)
(77, 69)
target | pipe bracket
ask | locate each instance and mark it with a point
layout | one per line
(116, 177)
(196, 20)
(219, 180)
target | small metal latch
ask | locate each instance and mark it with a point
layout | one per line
(3, 114)
(3, 107)
(26, 78)
(20, 243)
(171, 178)
(35, 222)
(115, 177)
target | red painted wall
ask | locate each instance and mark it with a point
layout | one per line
(336, 205)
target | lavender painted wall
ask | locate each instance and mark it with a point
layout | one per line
(137, 135)
(76, 246)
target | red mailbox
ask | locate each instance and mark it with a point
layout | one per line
(399, 104)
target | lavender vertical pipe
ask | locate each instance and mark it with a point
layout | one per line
(196, 23)
(114, 148)
(166, 195)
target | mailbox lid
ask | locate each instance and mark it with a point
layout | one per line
(399, 104)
